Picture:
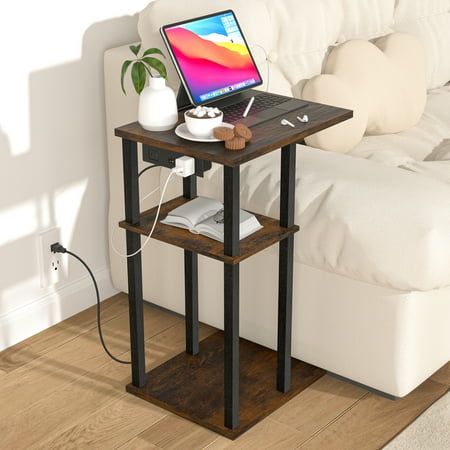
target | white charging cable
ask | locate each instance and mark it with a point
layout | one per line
(267, 62)
(161, 198)
(150, 194)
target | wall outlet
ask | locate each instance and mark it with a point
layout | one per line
(53, 266)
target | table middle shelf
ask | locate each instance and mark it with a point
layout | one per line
(270, 234)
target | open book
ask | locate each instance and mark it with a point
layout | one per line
(205, 216)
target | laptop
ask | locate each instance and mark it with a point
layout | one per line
(217, 68)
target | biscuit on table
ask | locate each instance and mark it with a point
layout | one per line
(223, 133)
(236, 143)
(243, 131)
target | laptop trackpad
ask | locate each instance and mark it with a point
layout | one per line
(291, 105)
(260, 116)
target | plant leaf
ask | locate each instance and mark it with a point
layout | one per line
(138, 76)
(148, 70)
(135, 48)
(157, 65)
(153, 50)
(125, 66)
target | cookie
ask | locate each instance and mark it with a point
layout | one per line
(236, 143)
(223, 133)
(243, 131)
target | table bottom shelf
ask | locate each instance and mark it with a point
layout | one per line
(192, 386)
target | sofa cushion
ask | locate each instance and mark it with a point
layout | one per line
(360, 219)
(429, 21)
(384, 83)
(417, 144)
(384, 225)
(304, 30)
(366, 19)
(425, 149)
(334, 90)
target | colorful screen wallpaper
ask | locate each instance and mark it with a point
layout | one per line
(212, 56)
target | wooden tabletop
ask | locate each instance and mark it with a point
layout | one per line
(267, 136)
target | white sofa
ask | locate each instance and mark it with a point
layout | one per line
(372, 259)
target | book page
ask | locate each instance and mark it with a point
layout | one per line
(194, 212)
(248, 225)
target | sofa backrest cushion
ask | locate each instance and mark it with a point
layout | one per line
(429, 21)
(304, 30)
(366, 19)
(383, 82)
(297, 35)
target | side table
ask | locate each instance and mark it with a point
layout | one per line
(224, 383)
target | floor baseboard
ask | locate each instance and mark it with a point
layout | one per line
(56, 306)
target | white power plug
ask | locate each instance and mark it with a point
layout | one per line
(185, 166)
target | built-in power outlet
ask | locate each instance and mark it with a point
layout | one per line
(53, 266)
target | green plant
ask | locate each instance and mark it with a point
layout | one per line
(143, 66)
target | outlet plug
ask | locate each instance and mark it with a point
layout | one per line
(53, 266)
(185, 166)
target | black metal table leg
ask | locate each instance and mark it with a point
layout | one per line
(231, 297)
(191, 280)
(286, 263)
(136, 311)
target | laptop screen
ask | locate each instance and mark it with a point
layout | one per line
(212, 56)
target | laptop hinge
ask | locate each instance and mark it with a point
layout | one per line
(183, 101)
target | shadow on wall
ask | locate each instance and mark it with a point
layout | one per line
(61, 180)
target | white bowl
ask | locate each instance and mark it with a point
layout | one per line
(202, 127)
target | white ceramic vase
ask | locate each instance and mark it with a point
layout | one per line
(157, 106)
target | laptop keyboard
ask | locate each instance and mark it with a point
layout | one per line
(262, 102)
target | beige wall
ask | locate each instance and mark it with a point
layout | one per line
(53, 166)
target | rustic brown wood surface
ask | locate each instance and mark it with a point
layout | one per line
(192, 386)
(270, 234)
(267, 136)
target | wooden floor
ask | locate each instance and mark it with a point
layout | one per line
(59, 390)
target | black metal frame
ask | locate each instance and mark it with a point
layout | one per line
(191, 280)
(134, 265)
(231, 182)
(286, 263)
(231, 188)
